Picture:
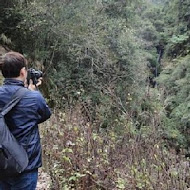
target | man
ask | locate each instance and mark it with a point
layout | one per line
(23, 120)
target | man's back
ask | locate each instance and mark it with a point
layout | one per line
(23, 120)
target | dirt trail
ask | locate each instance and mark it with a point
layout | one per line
(44, 181)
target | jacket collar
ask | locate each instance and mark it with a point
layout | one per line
(10, 81)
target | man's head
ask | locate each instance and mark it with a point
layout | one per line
(13, 65)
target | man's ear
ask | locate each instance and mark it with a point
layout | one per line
(23, 72)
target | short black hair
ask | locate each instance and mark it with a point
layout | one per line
(11, 63)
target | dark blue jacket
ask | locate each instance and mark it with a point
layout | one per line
(23, 119)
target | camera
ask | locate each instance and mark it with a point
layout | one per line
(33, 75)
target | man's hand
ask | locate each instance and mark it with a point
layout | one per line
(32, 86)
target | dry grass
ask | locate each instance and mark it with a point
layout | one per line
(79, 155)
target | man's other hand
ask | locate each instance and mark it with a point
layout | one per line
(32, 86)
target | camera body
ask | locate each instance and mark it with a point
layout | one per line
(33, 75)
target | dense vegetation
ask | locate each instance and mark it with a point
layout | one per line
(117, 75)
(174, 79)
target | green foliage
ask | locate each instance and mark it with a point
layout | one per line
(177, 27)
(4, 39)
(175, 80)
(92, 52)
(91, 56)
(9, 19)
(179, 39)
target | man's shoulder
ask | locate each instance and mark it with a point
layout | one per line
(2, 88)
(34, 94)
(4, 91)
(31, 98)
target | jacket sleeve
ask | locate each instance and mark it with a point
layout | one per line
(43, 109)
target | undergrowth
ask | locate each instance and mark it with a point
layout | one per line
(80, 155)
